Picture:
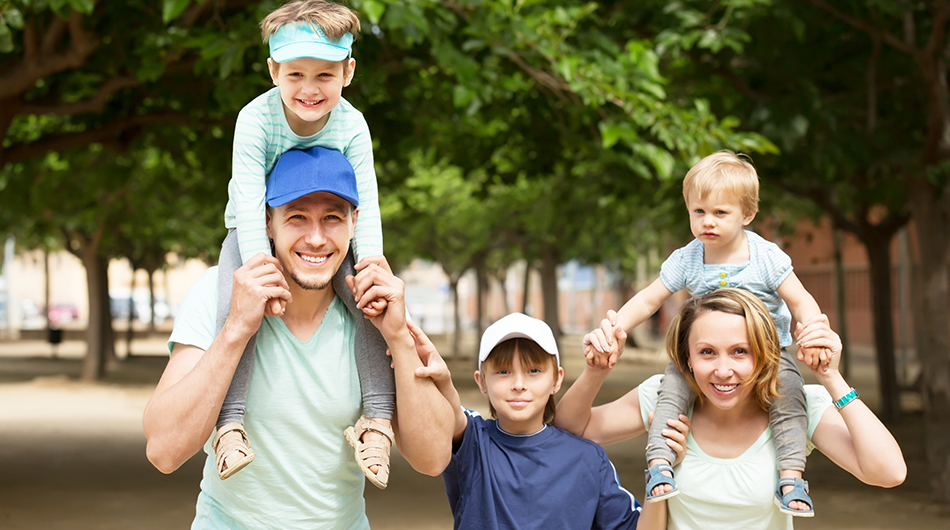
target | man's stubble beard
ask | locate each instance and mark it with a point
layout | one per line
(309, 286)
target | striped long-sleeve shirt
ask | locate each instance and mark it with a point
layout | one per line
(261, 135)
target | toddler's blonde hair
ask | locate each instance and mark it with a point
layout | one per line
(726, 172)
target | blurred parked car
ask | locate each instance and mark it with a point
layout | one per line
(62, 313)
(119, 302)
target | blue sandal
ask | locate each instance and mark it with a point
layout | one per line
(655, 477)
(799, 492)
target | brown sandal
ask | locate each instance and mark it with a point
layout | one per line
(373, 453)
(232, 449)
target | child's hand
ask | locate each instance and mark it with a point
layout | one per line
(275, 307)
(433, 366)
(603, 346)
(814, 357)
(676, 436)
(373, 260)
(818, 343)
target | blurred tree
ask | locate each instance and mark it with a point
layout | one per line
(86, 88)
(560, 100)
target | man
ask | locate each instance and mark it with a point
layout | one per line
(305, 389)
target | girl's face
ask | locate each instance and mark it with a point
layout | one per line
(721, 359)
(520, 393)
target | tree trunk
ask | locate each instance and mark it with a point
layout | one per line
(879, 258)
(841, 305)
(456, 318)
(100, 345)
(526, 291)
(549, 292)
(151, 300)
(130, 330)
(931, 215)
(502, 277)
(481, 282)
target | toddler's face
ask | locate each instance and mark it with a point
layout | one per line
(716, 219)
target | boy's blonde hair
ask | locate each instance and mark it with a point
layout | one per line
(763, 339)
(530, 353)
(334, 20)
(726, 172)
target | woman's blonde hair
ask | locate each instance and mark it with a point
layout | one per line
(728, 173)
(530, 353)
(763, 339)
(334, 19)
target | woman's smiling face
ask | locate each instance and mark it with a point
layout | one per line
(721, 358)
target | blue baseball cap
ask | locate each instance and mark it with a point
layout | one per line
(301, 172)
(305, 40)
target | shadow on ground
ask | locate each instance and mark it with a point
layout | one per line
(72, 454)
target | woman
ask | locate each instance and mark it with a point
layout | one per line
(726, 346)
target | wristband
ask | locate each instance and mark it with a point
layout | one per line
(847, 398)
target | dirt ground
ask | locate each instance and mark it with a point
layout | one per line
(72, 455)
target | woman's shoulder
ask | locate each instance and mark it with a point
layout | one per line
(647, 393)
(817, 401)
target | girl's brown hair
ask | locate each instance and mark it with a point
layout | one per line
(502, 356)
(763, 339)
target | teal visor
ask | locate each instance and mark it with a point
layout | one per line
(304, 40)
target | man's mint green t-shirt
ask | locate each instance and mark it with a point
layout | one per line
(301, 398)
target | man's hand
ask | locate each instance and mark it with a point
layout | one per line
(603, 346)
(259, 289)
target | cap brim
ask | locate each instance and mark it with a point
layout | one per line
(309, 50)
(281, 200)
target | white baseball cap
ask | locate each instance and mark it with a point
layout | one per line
(513, 326)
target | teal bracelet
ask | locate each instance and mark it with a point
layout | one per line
(847, 398)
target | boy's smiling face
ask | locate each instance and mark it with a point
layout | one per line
(519, 393)
(310, 89)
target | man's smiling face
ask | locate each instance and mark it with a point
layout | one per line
(311, 237)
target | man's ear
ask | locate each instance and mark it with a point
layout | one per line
(348, 70)
(267, 220)
(274, 68)
(353, 215)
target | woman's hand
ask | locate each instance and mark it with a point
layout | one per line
(603, 346)
(676, 436)
(819, 340)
